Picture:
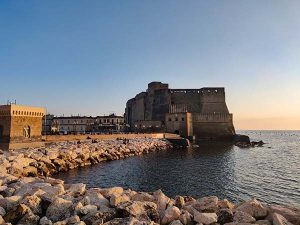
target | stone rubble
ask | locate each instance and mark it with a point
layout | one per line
(28, 196)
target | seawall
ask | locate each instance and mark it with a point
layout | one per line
(46, 201)
(57, 138)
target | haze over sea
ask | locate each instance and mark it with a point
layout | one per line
(270, 173)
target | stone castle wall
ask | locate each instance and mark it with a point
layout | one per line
(206, 105)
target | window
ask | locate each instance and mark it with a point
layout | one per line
(176, 119)
(182, 119)
(170, 119)
(68, 121)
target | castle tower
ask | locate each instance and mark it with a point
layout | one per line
(20, 126)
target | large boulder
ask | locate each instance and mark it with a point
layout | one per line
(2, 211)
(34, 203)
(172, 213)
(118, 198)
(30, 171)
(242, 217)
(254, 208)
(186, 218)
(76, 189)
(162, 201)
(292, 214)
(280, 220)
(224, 216)
(206, 204)
(143, 196)
(9, 203)
(59, 209)
(96, 198)
(205, 218)
(16, 214)
(108, 192)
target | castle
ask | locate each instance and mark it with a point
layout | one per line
(202, 113)
(20, 126)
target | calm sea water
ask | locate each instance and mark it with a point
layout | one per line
(270, 173)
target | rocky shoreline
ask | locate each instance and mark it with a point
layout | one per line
(29, 196)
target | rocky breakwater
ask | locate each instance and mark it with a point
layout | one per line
(47, 201)
(64, 156)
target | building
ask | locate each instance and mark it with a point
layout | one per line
(47, 124)
(72, 124)
(20, 126)
(110, 123)
(190, 112)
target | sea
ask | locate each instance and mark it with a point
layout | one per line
(270, 173)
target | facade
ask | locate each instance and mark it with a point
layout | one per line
(84, 124)
(190, 112)
(20, 126)
(110, 123)
(72, 124)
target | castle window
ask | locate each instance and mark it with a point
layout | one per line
(170, 119)
(176, 119)
(182, 119)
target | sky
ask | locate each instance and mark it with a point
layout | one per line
(90, 57)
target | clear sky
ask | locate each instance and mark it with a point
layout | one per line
(90, 57)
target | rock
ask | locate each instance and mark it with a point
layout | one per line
(179, 201)
(280, 220)
(186, 218)
(143, 196)
(176, 222)
(253, 208)
(88, 209)
(225, 204)
(263, 222)
(290, 213)
(73, 220)
(30, 171)
(76, 189)
(242, 217)
(45, 221)
(98, 217)
(205, 218)
(96, 198)
(59, 209)
(117, 199)
(172, 213)
(24, 162)
(225, 216)
(29, 219)
(108, 192)
(206, 204)
(1, 220)
(162, 201)
(14, 215)
(34, 203)
(2, 211)
(10, 202)
(123, 221)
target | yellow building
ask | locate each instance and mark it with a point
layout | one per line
(20, 126)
